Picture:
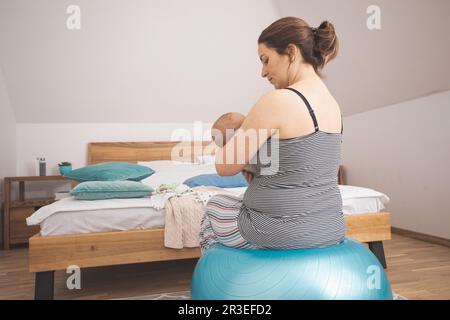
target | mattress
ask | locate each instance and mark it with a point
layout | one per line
(135, 214)
(104, 220)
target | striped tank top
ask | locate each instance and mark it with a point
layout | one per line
(300, 205)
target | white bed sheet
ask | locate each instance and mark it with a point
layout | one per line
(356, 200)
(104, 220)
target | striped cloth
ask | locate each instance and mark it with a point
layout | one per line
(220, 223)
(299, 206)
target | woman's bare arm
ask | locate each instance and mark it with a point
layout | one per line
(261, 122)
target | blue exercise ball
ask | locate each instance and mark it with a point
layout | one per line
(344, 271)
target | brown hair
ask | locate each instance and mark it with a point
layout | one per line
(317, 45)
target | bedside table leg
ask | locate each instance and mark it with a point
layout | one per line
(44, 286)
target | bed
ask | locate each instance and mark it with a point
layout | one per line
(56, 252)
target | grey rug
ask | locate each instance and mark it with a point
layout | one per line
(186, 295)
(180, 295)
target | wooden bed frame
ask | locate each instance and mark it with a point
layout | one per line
(50, 253)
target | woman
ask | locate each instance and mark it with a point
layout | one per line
(300, 205)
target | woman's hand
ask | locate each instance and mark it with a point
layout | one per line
(247, 175)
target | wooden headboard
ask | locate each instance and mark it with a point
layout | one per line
(147, 151)
(155, 150)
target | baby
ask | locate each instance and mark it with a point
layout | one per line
(230, 120)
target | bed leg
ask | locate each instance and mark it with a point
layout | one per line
(44, 286)
(378, 250)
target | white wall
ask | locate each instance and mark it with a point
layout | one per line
(403, 150)
(68, 142)
(7, 134)
(133, 72)
(7, 140)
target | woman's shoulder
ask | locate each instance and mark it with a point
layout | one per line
(275, 98)
(266, 112)
(289, 112)
(277, 94)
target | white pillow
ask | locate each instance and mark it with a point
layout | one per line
(168, 171)
(357, 200)
(350, 192)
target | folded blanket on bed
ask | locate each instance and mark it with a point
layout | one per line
(182, 225)
(184, 215)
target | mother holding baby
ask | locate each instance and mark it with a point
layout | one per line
(299, 205)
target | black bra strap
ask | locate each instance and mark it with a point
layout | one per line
(311, 111)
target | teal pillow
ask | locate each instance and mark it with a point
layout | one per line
(110, 171)
(215, 180)
(98, 190)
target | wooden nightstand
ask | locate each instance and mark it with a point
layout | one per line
(15, 228)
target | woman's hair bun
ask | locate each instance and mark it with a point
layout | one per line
(326, 43)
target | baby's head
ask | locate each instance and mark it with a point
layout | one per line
(230, 120)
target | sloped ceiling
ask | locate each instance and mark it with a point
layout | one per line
(132, 61)
(407, 58)
(180, 61)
